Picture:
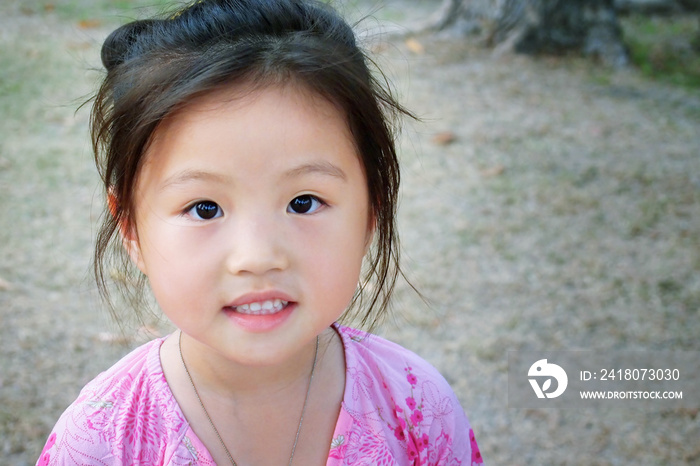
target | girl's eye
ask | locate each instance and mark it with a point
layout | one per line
(205, 210)
(305, 204)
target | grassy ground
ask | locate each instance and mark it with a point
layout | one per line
(563, 215)
(666, 47)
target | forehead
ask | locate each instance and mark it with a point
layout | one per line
(273, 101)
(256, 129)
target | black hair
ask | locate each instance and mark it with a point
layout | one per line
(157, 66)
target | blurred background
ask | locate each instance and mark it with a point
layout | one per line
(550, 200)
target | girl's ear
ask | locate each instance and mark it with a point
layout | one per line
(131, 244)
(127, 234)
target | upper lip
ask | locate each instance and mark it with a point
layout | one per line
(259, 297)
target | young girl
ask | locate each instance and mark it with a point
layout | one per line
(251, 176)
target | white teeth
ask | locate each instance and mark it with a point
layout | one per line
(262, 308)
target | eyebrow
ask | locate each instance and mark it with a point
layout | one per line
(187, 176)
(321, 167)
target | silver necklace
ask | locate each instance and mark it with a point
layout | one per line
(216, 431)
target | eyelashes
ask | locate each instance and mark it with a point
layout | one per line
(209, 210)
(305, 204)
(205, 210)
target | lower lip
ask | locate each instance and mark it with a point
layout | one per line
(260, 323)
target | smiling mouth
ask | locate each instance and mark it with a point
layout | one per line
(261, 308)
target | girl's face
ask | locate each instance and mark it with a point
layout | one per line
(252, 220)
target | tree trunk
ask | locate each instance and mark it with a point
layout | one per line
(693, 6)
(647, 7)
(541, 26)
(690, 5)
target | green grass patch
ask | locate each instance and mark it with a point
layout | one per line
(665, 48)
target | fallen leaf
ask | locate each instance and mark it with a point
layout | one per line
(49, 7)
(415, 46)
(444, 138)
(493, 171)
(379, 47)
(89, 23)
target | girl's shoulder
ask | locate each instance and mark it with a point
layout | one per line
(399, 407)
(397, 367)
(126, 415)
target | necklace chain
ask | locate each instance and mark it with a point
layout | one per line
(216, 431)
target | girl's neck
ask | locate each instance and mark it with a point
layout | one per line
(215, 374)
(243, 402)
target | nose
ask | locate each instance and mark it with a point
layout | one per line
(256, 246)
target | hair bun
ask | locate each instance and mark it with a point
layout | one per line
(122, 43)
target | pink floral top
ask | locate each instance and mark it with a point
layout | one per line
(397, 410)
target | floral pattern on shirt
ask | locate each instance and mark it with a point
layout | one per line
(396, 410)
